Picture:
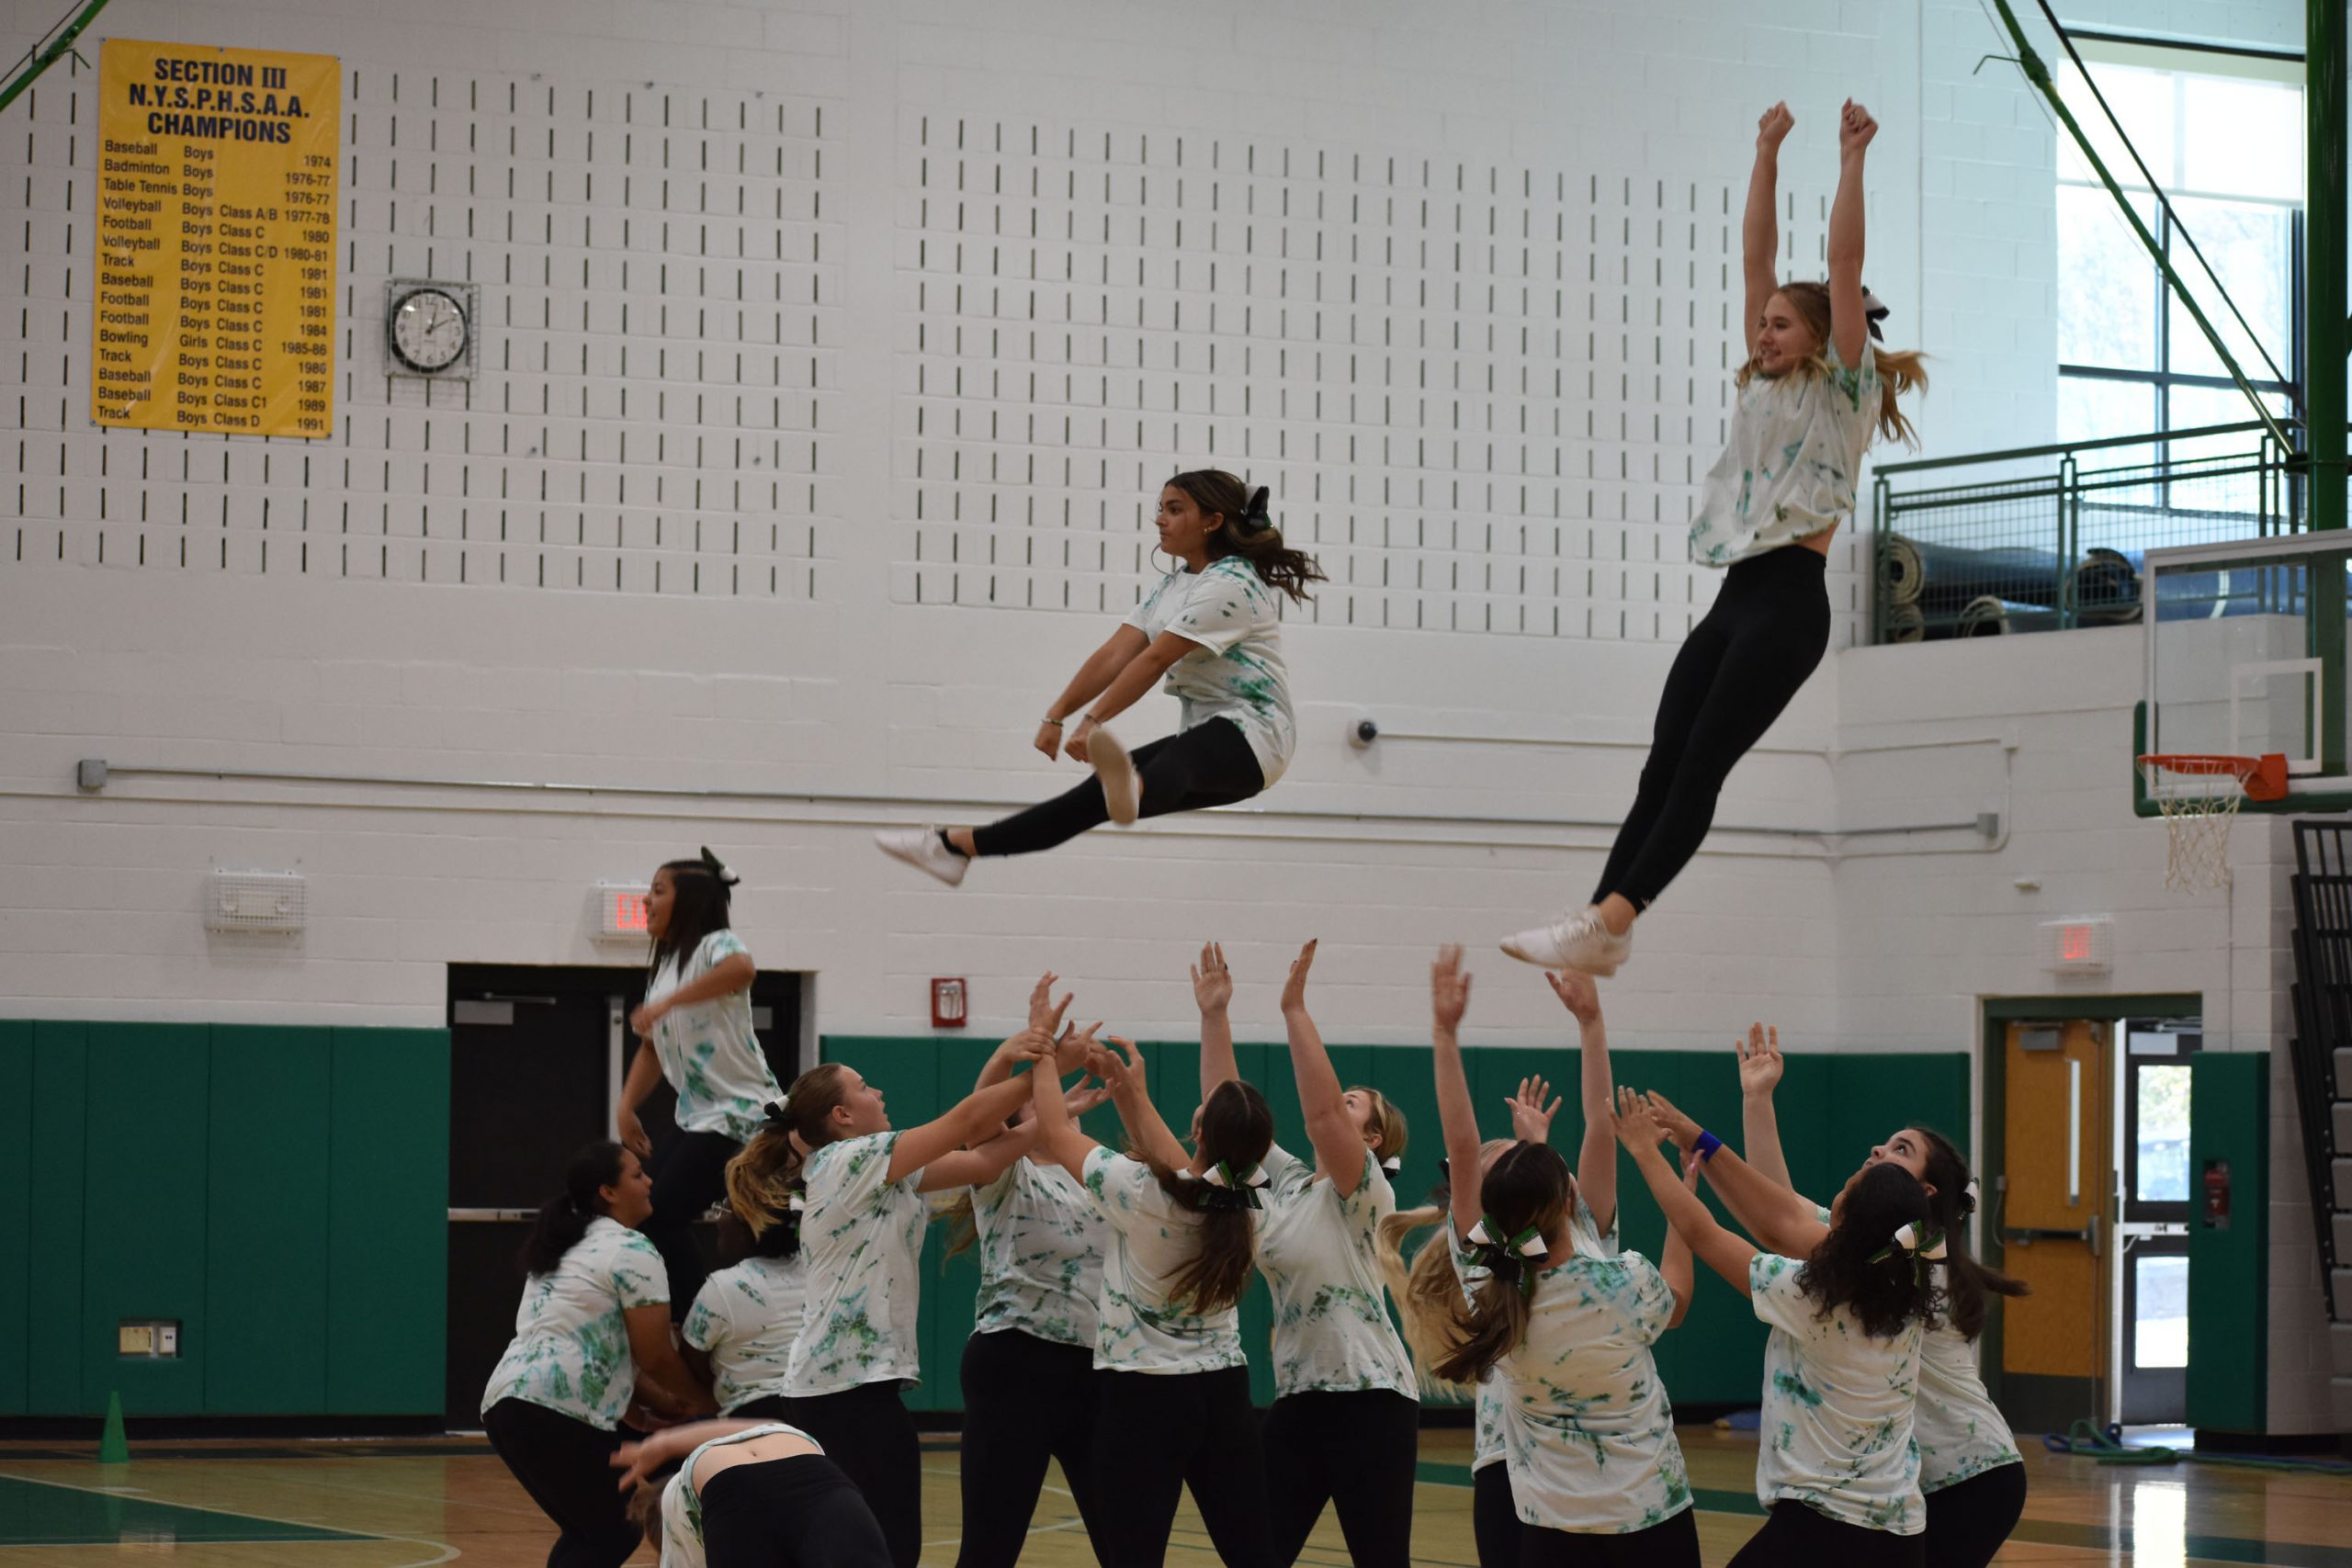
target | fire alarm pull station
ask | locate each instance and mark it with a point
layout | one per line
(2217, 1195)
(947, 1008)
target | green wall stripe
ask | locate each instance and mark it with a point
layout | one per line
(265, 1293)
(2229, 1272)
(61, 1082)
(16, 1212)
(388, 1235)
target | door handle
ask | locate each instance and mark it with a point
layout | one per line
(2028, 1236)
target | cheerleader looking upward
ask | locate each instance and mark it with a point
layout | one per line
(862, 1231)
(1345, 1427)
(1837, 1469)
(1175, 1409)
(1588, 1433)
(1030, 1387)
(1213, 627)
(1970, 1470)
(1812, 393)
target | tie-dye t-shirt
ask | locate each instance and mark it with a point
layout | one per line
(1042, 1239)
(745, 1319)
(1584, 1235)
(1319, 1254)
(861, 1235)
(1794, 457)
(681, 1542)
(1237, 672)
(1959, 1431)
(1836, 1431)
(1152, 1240)
(707, 1049)
(570, 1352)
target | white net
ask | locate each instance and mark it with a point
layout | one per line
(2199, 803)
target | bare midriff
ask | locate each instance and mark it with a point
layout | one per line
(758, 1450)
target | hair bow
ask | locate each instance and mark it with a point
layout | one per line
(1507, 1261)
(717, 868)
(1392, 1164)
(1923, 1247)
(1232, 1188)
(1968, 1196)
(1254, 516)
(779, 1109)
(1874, 310)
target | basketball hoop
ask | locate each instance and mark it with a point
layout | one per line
(2199, 797)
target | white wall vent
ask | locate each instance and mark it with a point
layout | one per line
(254, 901)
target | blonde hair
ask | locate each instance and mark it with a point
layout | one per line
(1431, 1308)
(1386, 1120)
(1899, 370)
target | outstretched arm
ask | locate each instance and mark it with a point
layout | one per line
(1058, 1138)
(1759, 231)
(1674, 1260)
(1092, 676)
(1726, 1254)
(1759, 1127)
(1597, 1155)
(1213, 991)
(979, 1116)
(1849, 326)
(1338, 1145)
(1770, 1212)
(1044, 1013)
(982, 1163)
(1120, 1065)
(1457, 1117)
(1139, 675)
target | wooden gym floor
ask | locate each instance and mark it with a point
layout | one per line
(405, 1505)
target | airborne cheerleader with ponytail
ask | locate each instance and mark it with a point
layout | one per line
(1213, 629)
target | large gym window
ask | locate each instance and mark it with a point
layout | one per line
(2222, 134)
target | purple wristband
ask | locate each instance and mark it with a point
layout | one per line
(1707, 1145)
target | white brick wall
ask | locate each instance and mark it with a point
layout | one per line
(733, 644)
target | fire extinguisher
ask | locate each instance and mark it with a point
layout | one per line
(2217, 1194)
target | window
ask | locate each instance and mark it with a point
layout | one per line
(2223, 137)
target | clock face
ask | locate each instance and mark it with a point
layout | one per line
(428, 330)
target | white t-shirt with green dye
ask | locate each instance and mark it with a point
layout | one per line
(570, 1352)
(1237, 672)
(1141, 1330)
(1042, 1239)
(682, 1543)
(1836, 1432)
(1585, 1234)
(707, 1049)
(860, 1234)
(745, 1319)
(1791, 464)
(1959, 1429)
(1319, 1254)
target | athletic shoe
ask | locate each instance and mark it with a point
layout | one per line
(923, 849)
(1576, 940)
(1122, 789)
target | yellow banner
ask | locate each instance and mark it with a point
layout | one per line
(218, 178)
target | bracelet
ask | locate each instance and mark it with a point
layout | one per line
(1707, 1145)
(1055, 722)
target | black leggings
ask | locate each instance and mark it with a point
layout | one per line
(1798, 1536)
(689, 1175)
(1161, 1432)
(789, 1513)
(1674, 1544)
(1968, 1522)
(566, 1466)
(1025, 1400)
(1493, 1517)
(1357, 1452)
(1209, 764)
(1737, 670)
(867, 1432)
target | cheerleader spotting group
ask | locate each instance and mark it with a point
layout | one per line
(754, 1416)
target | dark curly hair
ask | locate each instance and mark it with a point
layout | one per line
(1247, 530)
(1860, 1267)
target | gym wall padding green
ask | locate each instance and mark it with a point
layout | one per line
(1834, 1106)
(2229, 1274)
(281, 1192)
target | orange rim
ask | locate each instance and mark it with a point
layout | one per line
(2262, 778)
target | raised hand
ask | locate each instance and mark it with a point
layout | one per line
(1086, 1097)
(1120, 1065)
(1449, 989)
(1638, 1127)
(1212, 981)
(1774, 126)
(1044, 1011)
(1760, 1059)
(1576, 993)
(1530, 1118)
(1855, 128)
(1680, 1128)
(1076, 1047)
(1294, 987)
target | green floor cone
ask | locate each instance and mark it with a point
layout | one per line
(114, 1448)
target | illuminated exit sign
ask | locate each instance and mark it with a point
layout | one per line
(620, 912)
(2083, 946)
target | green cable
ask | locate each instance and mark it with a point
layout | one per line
(2084, 1440)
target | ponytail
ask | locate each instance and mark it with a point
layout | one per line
(1236, 1129)
(564, 1219)
(1967, 1283)
(1430, 1308)
(1525, 1194)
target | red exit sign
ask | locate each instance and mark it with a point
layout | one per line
(2083, 946)
(621, 909)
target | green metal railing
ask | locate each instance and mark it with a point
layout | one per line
(2044, 538)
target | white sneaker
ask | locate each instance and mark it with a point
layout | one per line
(1122, 789)
(923, 849)
(1576, 940)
